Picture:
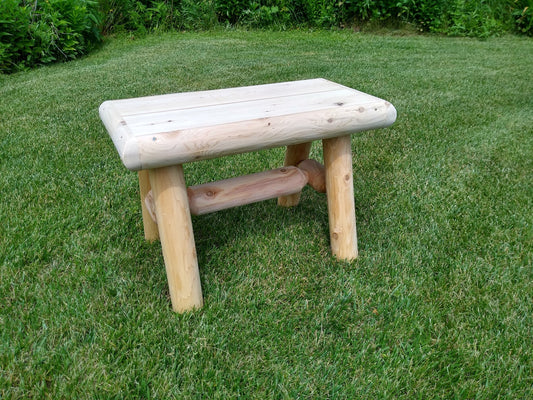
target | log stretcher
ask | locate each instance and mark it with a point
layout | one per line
(156, 135)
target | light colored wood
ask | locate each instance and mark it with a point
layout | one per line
(226, 113)
(293, 155)
(205, 98)
(177, 238)
(316, 174)
(150, 206)
(340, 197)
(215, 196)
(151, 232)
(175, 129)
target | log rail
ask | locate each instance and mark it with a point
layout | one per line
(247, 189)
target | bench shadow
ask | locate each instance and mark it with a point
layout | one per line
(226, 227)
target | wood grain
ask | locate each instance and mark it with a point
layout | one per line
(215, 196)
(174, 129)
(316, 174)
(151, 232)
(177, 238)
(293, 155)
(340, 195)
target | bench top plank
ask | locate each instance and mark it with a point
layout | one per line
(157, 131)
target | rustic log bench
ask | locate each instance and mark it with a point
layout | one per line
(156, 135)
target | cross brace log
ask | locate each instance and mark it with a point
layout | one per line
(247, 189)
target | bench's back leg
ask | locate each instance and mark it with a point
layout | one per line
(340, 195)
(151, 232)
(177, 238)
(294, 154)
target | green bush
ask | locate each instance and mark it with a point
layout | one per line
(136, 15)
(231, 11)
(114, 14)
(523, 16)
(266, 16)
(143, 16)
(426, 15)
(479, 18)
(197, 14)
(40, 32)
(16, 46)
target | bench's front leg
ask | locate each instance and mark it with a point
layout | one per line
(340, 195)
(294, 154)
(177, 238)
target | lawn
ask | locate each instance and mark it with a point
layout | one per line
(439, 303)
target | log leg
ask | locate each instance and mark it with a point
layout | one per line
(150, 227)
(295, 154)
(177, 239)
(340, 195)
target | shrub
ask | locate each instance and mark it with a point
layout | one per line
(426, 15)
(231, 11)
(523, 16)
(114, 14)
(136, 15)
(40, 32)
(143, 16)
(198, 14)
(478, 18)
(16, 46)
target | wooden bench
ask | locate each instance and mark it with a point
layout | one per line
(156, 135)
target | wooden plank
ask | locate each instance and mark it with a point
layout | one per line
(233, 192)
(176, 101)
(216, 115)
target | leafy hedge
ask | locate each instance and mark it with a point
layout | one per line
(37, 32)
(478, 18)
(40, 32)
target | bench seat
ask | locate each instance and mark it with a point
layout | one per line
(159, 131)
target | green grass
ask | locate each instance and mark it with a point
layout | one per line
(438, 305)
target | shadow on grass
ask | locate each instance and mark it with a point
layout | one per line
(264, 221)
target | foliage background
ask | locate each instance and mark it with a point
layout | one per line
(478, 18)
(34, 32)
(37, 32)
